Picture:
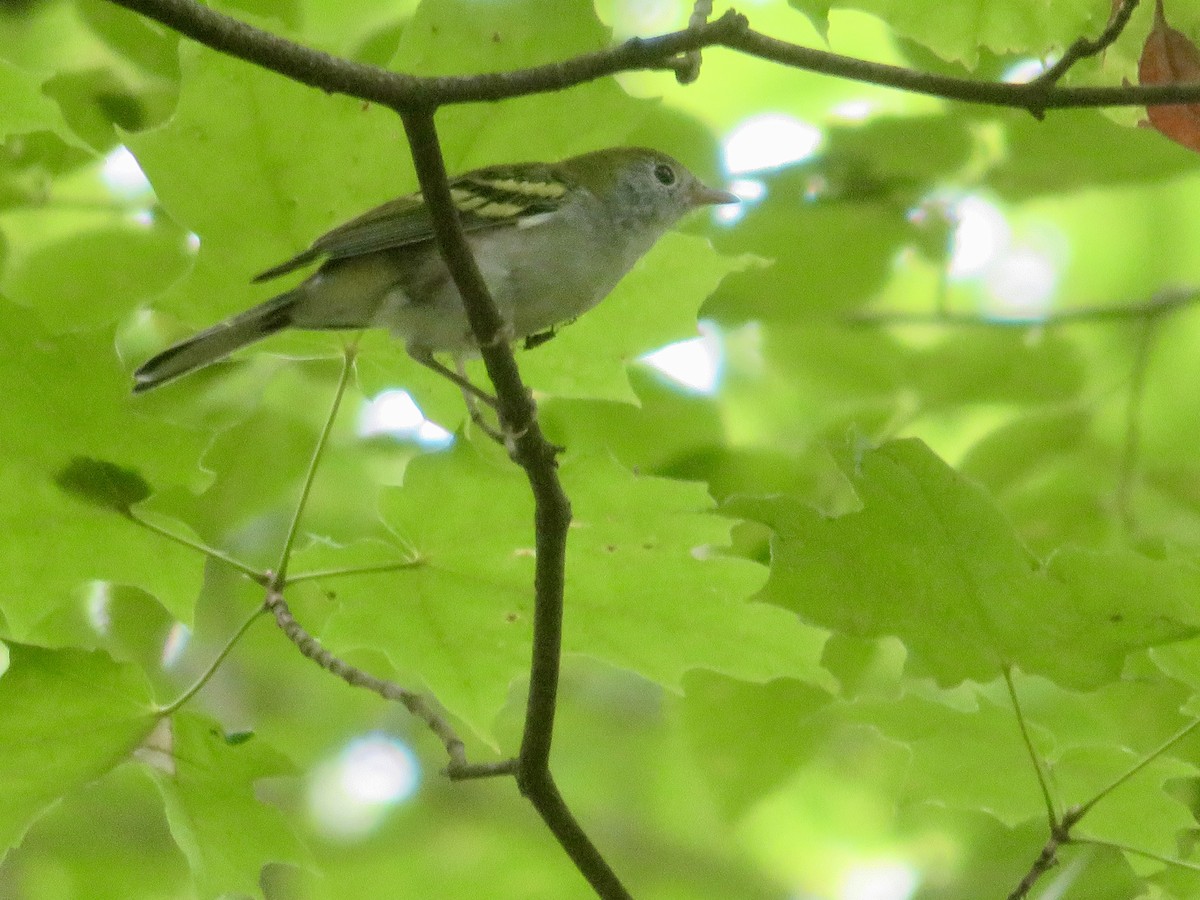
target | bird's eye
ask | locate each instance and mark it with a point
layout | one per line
(664, 173)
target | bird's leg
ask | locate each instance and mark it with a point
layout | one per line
(425, 358)
(469, 398)
(472, 395)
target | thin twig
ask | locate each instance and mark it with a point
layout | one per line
(1045, 861)
(1164, 303)
(1085, 47)
(285, 555)
(482, 770)
(311, 648)
(399, 91)
(1027, 96)
(514, 401)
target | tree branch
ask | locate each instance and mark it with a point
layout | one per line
(400, 91)
(552, 509)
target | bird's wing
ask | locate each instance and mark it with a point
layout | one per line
(495, 197)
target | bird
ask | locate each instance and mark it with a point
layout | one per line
(551, 241)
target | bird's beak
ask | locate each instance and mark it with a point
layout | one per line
(703, 195)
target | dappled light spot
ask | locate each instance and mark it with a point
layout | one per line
(176, 642)
(1024, 71)
(883, 880)
(349, 795)
(980, 236)
(852, 111)
(769, 141)
(1021, 283)
(98, 603)
(123, 176)
(695, 363)
(394, 413)
(749, 190)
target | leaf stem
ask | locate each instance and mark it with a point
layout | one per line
(1137, 851)
(350, 351)
(1051, 813)
(357, 570)
(204, 549)
(1137, 767)
(212, 669)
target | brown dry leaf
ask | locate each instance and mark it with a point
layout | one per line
(1170, 58)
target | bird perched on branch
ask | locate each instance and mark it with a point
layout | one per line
(551, 241)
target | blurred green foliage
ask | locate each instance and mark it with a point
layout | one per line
(790, 602)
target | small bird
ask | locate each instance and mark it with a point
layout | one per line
(551, 240)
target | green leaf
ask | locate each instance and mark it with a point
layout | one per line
(931, 560)
(68, 396)
(801, 285)
(58, 546)
(126, 623)
(648, 587)
(98, 823)
(817, 12)
(1018, 26)
(67, 716)
(208, 788)
(955, 755)
(657, 303)
(147, 44)
(25, 107)
(98, 103)
(126, 264)
(749, 738)
(1014, 454)
(1140, 813)
(1082, 149)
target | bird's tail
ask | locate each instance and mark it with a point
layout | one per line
(216, 342)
